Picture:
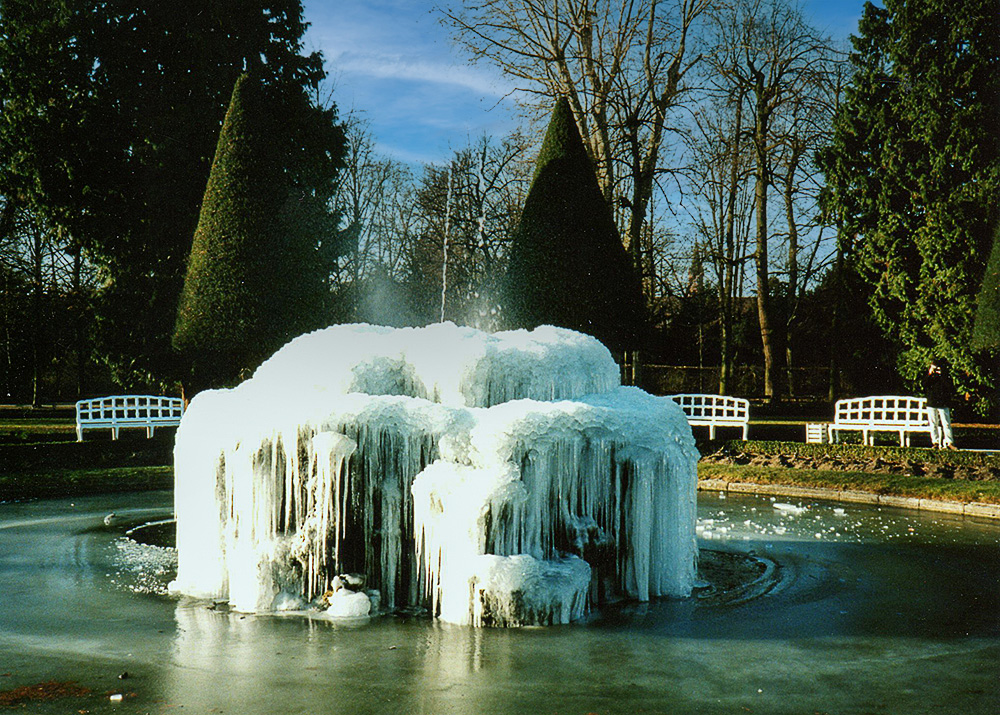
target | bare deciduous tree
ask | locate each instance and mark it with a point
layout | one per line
(620, 63)
(801, 130)
(766, 51)
(479, 197)
(373, 195)
(39, 267)
(720, 202)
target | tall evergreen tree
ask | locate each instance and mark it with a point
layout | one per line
(111, 112)
(255, 276)
(914, 171)
(567, 263)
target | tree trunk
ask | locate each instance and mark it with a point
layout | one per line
(644, 166)
(763, 293)
(5, 296)
(79, 331)
(838, 287)
(727, 294)
(36, 318)
(760, 254)
(793, 273)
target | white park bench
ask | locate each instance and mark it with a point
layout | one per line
(120, 411)
(882, 413)
(715, 411)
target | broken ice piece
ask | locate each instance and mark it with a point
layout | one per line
(789, 508)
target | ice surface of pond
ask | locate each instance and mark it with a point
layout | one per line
(867, 611)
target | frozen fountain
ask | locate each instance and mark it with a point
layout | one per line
(492, 479)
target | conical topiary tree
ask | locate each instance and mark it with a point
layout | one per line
(567, 263)
(253, 277)
(986, 333)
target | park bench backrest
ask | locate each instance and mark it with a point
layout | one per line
(890, 410)
(720, 408)
(130, 409)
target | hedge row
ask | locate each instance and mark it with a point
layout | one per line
(955, 458)
(957, 490)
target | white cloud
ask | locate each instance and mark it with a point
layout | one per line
(389, 67)
(392, 60)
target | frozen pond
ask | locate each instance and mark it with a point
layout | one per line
(858, 610)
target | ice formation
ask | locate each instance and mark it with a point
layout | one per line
(493, 479)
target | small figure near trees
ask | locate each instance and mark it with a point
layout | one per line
(938, 391)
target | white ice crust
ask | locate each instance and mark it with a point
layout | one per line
(502, 478)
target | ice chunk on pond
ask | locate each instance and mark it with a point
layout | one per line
(790, 508)
(417, 456)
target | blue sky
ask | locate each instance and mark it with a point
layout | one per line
(393, 61)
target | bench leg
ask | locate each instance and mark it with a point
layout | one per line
(114, 433)
(149, 431)
(79, 433)
(746, 431)
(711, 431)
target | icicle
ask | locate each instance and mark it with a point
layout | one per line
(327, 492)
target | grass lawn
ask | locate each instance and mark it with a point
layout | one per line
(36, 430)
(40, 457)
(78, 482)
(902, 485)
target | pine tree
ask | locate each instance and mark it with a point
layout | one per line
(116, 150)
(914, 171)
(254, 275)
(567, 263)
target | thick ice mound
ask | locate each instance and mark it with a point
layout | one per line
(493, 479)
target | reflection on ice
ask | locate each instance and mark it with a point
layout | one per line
(492, 479)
